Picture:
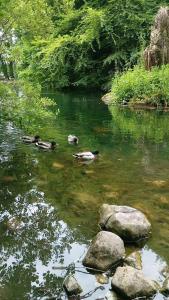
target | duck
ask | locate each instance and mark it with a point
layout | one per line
(30, 139)
(46, 145)
(73, 139)
(88, 155)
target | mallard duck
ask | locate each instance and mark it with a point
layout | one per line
(86, 155)
(72, 139)
(30, 139)
(46, 145)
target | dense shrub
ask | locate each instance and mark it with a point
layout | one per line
(142, 86)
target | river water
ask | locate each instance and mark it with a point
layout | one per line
(53, 201)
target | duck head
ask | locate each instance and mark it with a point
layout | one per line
(53, 145)
(75, 140)
(95, 152)
(36, 138)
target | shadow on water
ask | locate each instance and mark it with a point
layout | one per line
(52, 201)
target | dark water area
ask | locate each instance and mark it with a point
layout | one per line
(52, 201)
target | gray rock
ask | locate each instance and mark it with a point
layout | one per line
(134, 260)
(71, 286)
(105, 250)
(129, 223)
(131, 283)
(165, 287)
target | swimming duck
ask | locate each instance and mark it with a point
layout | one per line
(46, 145)
(86, 155)
(30, 139)
(72, 139)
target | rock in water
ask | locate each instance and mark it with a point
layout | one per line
(111, 295)
(134, 260)
(71, 286)
(129, 223)
(105, 250)
(131, 283)
(102, 278)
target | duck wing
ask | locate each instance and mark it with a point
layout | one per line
(27, 139)
(45, 144)
(84, 155)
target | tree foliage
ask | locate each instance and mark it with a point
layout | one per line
(63, 43)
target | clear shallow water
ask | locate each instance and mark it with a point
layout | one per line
(55, 200)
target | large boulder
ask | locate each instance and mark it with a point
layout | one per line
(105, 250)
(129, 223)
(131, 283)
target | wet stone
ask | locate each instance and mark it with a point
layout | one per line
(111, 295)
(13, 224)
(71, 286)
(132, 283)
(134, 260)
(106, 250)
(102, 278)
(127, 222)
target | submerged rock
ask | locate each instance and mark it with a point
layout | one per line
(111, 295)
(129, 223)
(165, 287)
(13, 224)
(134, 260)
(71, 286)
(105, 250)
(102, 278)
(57, 165)
(131, 283)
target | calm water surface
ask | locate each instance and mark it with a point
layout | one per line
(54, 200)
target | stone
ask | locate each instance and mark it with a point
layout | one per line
(13, 224)
(102, 278)
(71, 286)
(105, 250)
(165, 287)
(127, 222)
(111, 295)
(107, 98)
(134, 260)
(131, 283)
(57, 165)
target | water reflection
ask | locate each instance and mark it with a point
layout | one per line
(54, 200)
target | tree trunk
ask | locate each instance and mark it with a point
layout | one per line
(157, 53)
(4, 67)
(11, 70)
